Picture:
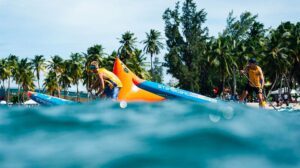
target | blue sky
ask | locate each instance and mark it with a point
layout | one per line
(49, 27)
(30, 27)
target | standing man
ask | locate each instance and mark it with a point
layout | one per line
(255, 83)
(107, 82)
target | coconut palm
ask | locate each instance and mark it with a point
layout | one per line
(126, 51)
(26, 76)
(276, 60)
(130, 55)
(225, 61)
(38, 64)
(50, 83)
(4, 71)
(65, 79)
(153, 44)
(76, 70)
(12, 62)
(55, 65)
(95, 53)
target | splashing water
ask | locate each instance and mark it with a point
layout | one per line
(167, 134)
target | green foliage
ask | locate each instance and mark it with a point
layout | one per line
(197, 61)
(4, 71)
(51, 83)
(76, 70)
(65, 79)
(157, 74)
(38, 64)
(153, 45)
(131, 55)
(200, 62)
(128, 45)
(186, 44)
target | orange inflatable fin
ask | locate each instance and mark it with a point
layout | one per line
(130, 92)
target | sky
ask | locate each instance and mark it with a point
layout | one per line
(62, 27)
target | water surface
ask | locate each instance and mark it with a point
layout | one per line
(167, 134)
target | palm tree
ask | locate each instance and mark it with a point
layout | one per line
(50, 83)
(126, 51)
(132, 56)
(222, 54)
(94, 53)
(26, 78)
(153, 44)
(4, 71)
(65, 79)
(12, 62)
(39, 64)
(76, 70)
(55, 65)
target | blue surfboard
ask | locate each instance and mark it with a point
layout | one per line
(48, 100)
(171, 92)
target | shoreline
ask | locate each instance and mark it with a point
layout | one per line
(294, 106)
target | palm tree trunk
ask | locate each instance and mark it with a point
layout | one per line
(223, 82)
(3, 84)
(234, 81)
(58, 91)
(151, 65)
(77, 92)
(39, 85)
(273, 85)
(23, 95)
(87, 88)
(19, 88)
(65, 94)
(8, 90)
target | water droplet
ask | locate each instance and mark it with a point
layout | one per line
(214, 118)
(123, 104)
(228, 113)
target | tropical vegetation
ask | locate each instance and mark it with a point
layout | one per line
(199, 62)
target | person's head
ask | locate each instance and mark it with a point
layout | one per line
(252, 62)
(94, 66)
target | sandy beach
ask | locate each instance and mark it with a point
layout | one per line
(295, 106)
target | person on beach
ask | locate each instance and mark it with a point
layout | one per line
(107, 83)
(286, 99)
(255, 83)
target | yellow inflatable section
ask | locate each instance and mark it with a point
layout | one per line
(130, 92)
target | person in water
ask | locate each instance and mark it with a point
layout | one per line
(107, 83)
(255, 83)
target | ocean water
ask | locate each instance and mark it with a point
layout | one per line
(167, 134)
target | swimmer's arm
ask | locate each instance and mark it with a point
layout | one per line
(101, 80)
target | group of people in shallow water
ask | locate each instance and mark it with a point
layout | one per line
(108, 84)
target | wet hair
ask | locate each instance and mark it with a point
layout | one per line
(252, 61)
